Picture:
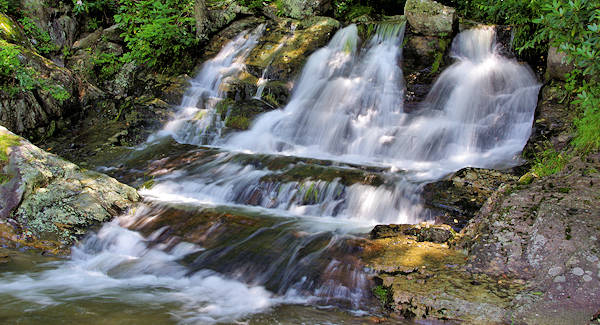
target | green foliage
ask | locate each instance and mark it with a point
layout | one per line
(16, 78)
(106, 65)
(6, 141)
(3, 6)
(237, 122)
(383, 294)
(157, 32)
(39, 37)
(549, 162)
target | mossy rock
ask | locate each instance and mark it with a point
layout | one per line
(427, 17)
(12, 32)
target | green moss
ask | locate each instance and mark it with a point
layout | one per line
(383, 294)
(7, 141)
(237, 122)
(550, 162)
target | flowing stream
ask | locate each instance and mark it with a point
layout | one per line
(273, 218)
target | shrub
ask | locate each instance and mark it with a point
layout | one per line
(157, 32)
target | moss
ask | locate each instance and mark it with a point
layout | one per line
(384, 295)
(7, 141)
(237, 122)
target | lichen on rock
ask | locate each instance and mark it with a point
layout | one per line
(50, 199)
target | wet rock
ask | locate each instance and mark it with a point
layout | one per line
(427, 17)
(550, 126)
(556, 64)
(52, 200)
(300, 9)
(460, 196)
(286, 45)
(428, 281)
(422, 232)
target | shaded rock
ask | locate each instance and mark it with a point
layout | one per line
(52, 201)
(220, 14)
(55, 94)
(427, 17)
(556, 65)
(551, 120)
(12, 32)
(422, 232)
(460, 196)
(547, 232)
(300, 9)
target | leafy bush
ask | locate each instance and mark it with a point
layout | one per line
(157, 32)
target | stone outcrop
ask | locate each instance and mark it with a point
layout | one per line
(300, 9)
(458, 198)
(56, 94)
(427, 17)
(546, 232)
(47, 202)
(556, 65)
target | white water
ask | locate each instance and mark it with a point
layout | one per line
(196, 121)
(348, 106)
(117, 264)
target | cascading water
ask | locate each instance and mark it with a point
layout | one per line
(197, 120)
(222, 234)
(348, 106)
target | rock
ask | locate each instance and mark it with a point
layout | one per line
(12, 32)
(534, 232)
(55, 20)
(556, 66)
(427, 17)
(300, 9)
(422, 232)
(286, 45)
(221, 14)
(429, 281)
(113, 34)
(52, 200)
(54, 95)
(460, 196)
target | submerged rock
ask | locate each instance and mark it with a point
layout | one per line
(48, 202)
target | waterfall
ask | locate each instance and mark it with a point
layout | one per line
(196, 120)
(348, 105)
(227, 232)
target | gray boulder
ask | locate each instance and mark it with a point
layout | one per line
(430, 18)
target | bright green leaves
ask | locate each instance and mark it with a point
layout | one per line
(156, 32)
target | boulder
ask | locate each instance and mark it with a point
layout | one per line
(547, 233)
(556, 65)
(53, 93)
(427, 17)
(287, 44)
(422, 232)
(48, 202)
(459, 197)
(300, 9)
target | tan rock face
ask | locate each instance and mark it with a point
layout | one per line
(556, 66)
(430, 18)
(48, 199)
